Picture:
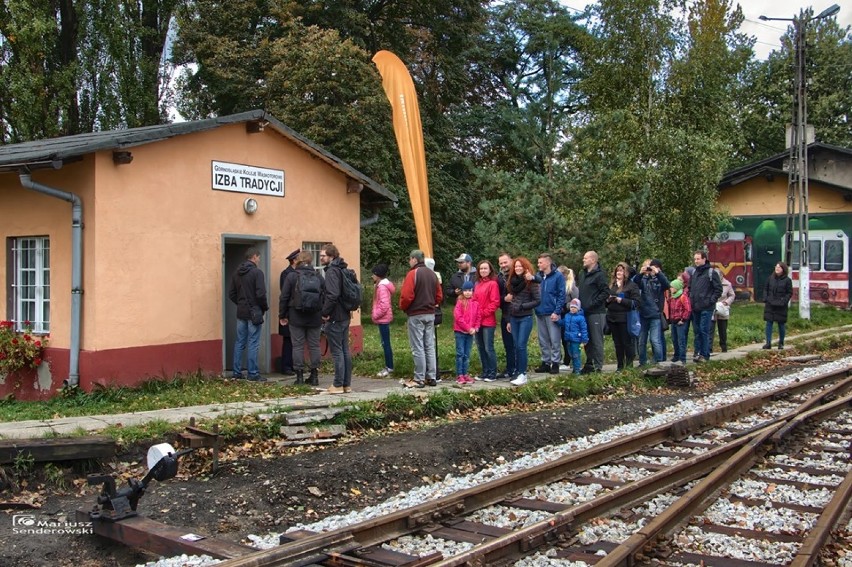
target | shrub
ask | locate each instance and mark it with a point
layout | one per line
(19, 349)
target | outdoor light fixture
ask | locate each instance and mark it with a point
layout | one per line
(256, 126)
(122, 157)
(250, 206)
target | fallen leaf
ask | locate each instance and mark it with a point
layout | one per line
(355, 491)
(315, 491)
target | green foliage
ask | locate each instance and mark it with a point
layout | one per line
(19, 349)
(23, 464)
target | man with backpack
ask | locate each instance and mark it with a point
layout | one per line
(336, 312)
(248, 292)
(299, 309)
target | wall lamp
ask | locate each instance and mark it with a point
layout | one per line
(256, 126)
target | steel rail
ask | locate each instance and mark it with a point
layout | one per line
(396, 524)
(691, 503)
(808, 553)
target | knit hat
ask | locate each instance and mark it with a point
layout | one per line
(417, 255)
(677, 288)
(657, 262)
(468, 285)
(381, 270)
(575, 303)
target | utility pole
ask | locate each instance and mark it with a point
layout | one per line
(797, 168)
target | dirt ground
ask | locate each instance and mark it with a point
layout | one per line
(255, 495)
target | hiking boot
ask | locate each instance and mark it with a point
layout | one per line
(780, 346)
(313, 379)
(767, 346)
(431, 382)
(335, 390)
(554, 368)
(300, 377)
(543, 368)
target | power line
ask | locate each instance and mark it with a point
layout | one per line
(757, 23)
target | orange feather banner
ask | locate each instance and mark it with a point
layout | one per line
(399, 89)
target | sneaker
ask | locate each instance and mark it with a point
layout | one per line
(542, 368)
(383, 373)
(347, 389)
(564, 368)
(503, 375)
(767, 346)
(336, 390)
(520, 380)
(554, 368)
(413, 384)
(431, 382)
(460, 379)
(490, 379)
(699, 359)
(477, 378)
(781, 346)
(257, 378)
(437, 380)
(468, 380)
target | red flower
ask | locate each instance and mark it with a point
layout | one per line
(27, 323)
(14, 341)
(38, 343)
(36, 361)
(27, 338)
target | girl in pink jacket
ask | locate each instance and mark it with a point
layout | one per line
(466, 321)
(382, 314)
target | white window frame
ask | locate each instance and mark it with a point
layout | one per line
(38, 268)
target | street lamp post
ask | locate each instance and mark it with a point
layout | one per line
(797, 187)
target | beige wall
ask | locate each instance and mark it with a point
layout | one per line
(153, 232)
(758, 196)
(27, 213)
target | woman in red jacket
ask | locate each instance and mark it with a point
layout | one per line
(486, 292)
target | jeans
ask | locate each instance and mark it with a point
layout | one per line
(595, 347)
(300, 336)
(549, 339)
(487, 354)
(384, 334)
(337, 335)
(508, 345)
(521, 329)
(421, 337)
(464, 342)
(650, 329)
(574, 351)
(782, 331)
(663, 342)
(680, 331)
(247, 334)
(701, 325)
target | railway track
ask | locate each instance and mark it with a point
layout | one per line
(662, 483)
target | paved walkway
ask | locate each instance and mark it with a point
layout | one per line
(365, 388)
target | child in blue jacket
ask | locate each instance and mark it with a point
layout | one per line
(575, 332)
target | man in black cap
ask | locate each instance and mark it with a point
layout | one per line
(286, 367)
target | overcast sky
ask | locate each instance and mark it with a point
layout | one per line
(768, 33)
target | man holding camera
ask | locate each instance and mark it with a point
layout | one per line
(653, 284)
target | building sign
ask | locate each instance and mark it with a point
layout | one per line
(241, 178)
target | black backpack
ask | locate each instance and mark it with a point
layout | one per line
(350, 290)
(307, 295)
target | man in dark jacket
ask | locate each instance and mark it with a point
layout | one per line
(548, 314)
(336, 318)
(248, 292)
(505, 263)
(705, 289)
(286, 367)
(465, 273)
(421, 293)
(594, 290)
(652, 282)
(304, 323)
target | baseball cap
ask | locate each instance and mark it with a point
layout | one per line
(464, 258)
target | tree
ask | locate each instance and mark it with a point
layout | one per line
(767, 94)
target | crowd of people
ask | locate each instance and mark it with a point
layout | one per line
(633, 306)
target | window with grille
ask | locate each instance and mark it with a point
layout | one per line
(30, 283)
(314, 248)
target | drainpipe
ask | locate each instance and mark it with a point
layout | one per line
(76, 268)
